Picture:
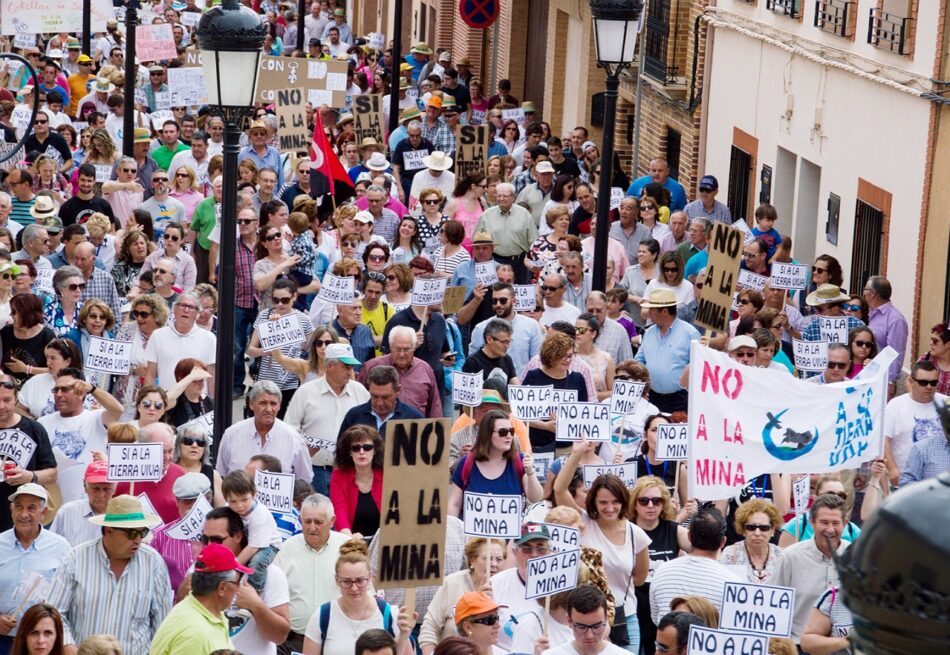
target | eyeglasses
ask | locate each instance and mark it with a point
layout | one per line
(171, 237)
(246, 221)
(149, 404)
(390, 277)
(40, 122)
(346, 244)
(212, 539)
(272, 236)
(362, 447)
(182, 175)
(282, 301)
(159, 179)
(743, 301)
(134, 533)
(349, 582)
(669, 269)
(755, 527)
(77, 287)
(593, 627)
(815, 269)
(644, 208)
(505, 432)
(860, 343)
(546, 288)
(926, 383)
(62, 389)
(643, 501)
(533, 550)
(97, 317)
(377, 258)
(660, 648)
(190, 308)
(749, 255)
(838, 365)
(486, 620)
(323, 343)
(432, 202)
(194, 441)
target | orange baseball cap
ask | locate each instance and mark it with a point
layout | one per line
(472, 603)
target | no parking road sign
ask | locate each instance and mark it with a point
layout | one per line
(479, 13)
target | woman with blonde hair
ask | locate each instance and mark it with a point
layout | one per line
(757, 520)
(101, 154)
(100, 645)
(149, 312)
(185, 189)
(48, 178)
(699, 606)
(100, 230)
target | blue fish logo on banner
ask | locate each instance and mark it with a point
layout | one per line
(802, 443)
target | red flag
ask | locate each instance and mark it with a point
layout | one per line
(325, 167)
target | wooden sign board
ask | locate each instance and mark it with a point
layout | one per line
(471, 155)
(292, 120)
(715, 300)
(323, 81)
(368, 118)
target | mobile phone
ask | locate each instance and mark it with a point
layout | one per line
(449, 355)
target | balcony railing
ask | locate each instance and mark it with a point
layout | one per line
(790, 8)
(890, 32)
(835, 17)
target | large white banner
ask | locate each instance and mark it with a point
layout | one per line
(746, 421)
(52, 16)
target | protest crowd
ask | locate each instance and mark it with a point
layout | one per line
(415, 317)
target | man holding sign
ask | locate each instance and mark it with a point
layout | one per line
(431, 335)
(827, 300)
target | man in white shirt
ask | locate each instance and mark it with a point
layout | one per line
(182, 339)
(587, 613)
(912, 417)
(318, 408)
(197, 158)
(698, 573)
(553, 288)
(75, 433)
(508, 586)
(72, 518)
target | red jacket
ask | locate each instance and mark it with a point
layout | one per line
(344, 495)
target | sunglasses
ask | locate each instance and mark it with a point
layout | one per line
(644, 208)
(486, 620)
(838, 365)
(96, 317)
(246, 221)
(499, 301)
(7, 276)
(671, 269)
(6, 384)
(505, 432)
(926, 383)
(860, 343)
(755, 527)
(544, 287)
(205, 539)
(581, 330)
(840, 494)
(377, 258)
(282, 301)
(128, 170)
(134, 533)
(699, 285)
(390, 277)
(815, 269)
(140, 314)
(180, 175)
(851, 308)
(149, 404)
(77, 287)
(744, 301)
(41, 122)
(643, 501)
(171, 237)
(194, 441)
(346, 244)
(431, 202)
(272, 236)
(159, 179)
(362, 447)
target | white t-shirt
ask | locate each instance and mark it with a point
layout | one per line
(167, 347)
(628, 440)
(528, 632)
(566, 312)
(508, 589)
(261, 528)
(568, 649)
(619, 561)
(37, 395)
(907, 421)
(73, 440)
(343, 632)
(275, 593)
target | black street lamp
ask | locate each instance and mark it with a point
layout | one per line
(231, 37)
(616, 24)
(131, 74)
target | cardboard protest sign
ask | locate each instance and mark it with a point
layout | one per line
(467, 388)
(135, 462)
(810, 355)
(530, 403)
(626, 394)
(453, 300)
(485, 273)
(413, 513)
(292, 130)
(627, 472)
(788, 276)
(740, 428)
(337, 290)
(190, 528)
(563, 537)
(108, 356)
(17, 447)
(155, 42)
(368, 118)
(706, 641)
(551, 574)
(282, 331)
(672, 441)
(428, 291)
(834, 329)
(275, 491)
(323, 80)
(715, 299)
(525, 299)
(757, 608)
(576, 421)
(471, 152)
(488, 515)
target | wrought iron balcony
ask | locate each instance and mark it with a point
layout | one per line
(890, 32)
(790, 8)
(835, 16)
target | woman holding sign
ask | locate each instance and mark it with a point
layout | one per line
(95, 320)
(36, 395)
(649, 464)
(149, 312)
(623, 544)
(556, 354)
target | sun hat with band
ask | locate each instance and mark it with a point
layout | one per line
(125, 512)
(437, 161)
(826, 294)
(473, 603)
(660, 298)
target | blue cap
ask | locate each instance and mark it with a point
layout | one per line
(708, 182)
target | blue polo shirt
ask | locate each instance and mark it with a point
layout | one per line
(666, 356)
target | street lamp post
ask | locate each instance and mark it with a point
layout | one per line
(131, 73)
(231, 37)
(616, 23)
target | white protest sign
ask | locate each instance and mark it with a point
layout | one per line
(750, 280)
(188, 86)
(801, 492)
(428, 291)
(377, 40)
(627, 472)
(542, 464)
(17, 447)
(204, 422)
(834, 329)
(616, 197)
(530, 403)
(109, 356)
(810, 355)
(516, 115)
(467, 388)
(740, 224)
(788, 276)
(672, 441)
(279, 332)
(525, 298)
(275, 491)
(563, 537)
(626, 394)
(149, 508)
(135, 462)
(24, 41)
(559, 396)
(189, 18)
(576, 421)
(337, 290)
(44, 280)
(485, 273)
(757, 608)
(414, 159)
(160, 116)
(191, 526)
(706, 641)
(103, 172)
(317, 442)
(488, 515)
(551, 574)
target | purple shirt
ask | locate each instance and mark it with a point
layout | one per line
(890, 329)
(177, 553)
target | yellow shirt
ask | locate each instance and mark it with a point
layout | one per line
(190, 629)
(77, 91)
(376, 319)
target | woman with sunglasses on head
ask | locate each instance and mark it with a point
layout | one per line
(356, 483)
(863, 346)
(652, 509)
(939, 356)
(756, 520)
(800, 528)
(185, 190)
(193, 454)
(62, 314)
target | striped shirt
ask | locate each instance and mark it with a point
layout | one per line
(92, 601)
(177, 554)
(72, 522)
(685, 576)
(17, 565)
(21, 211)
(831, 605)
(271, 370)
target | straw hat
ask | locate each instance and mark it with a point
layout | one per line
(377, 162)
(660, 298)
(43, 207)
(103, 85)
(826, 294)
(437, 161)
(421, 49)
(125, 512)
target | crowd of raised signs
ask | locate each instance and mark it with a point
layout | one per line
(420, 353)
